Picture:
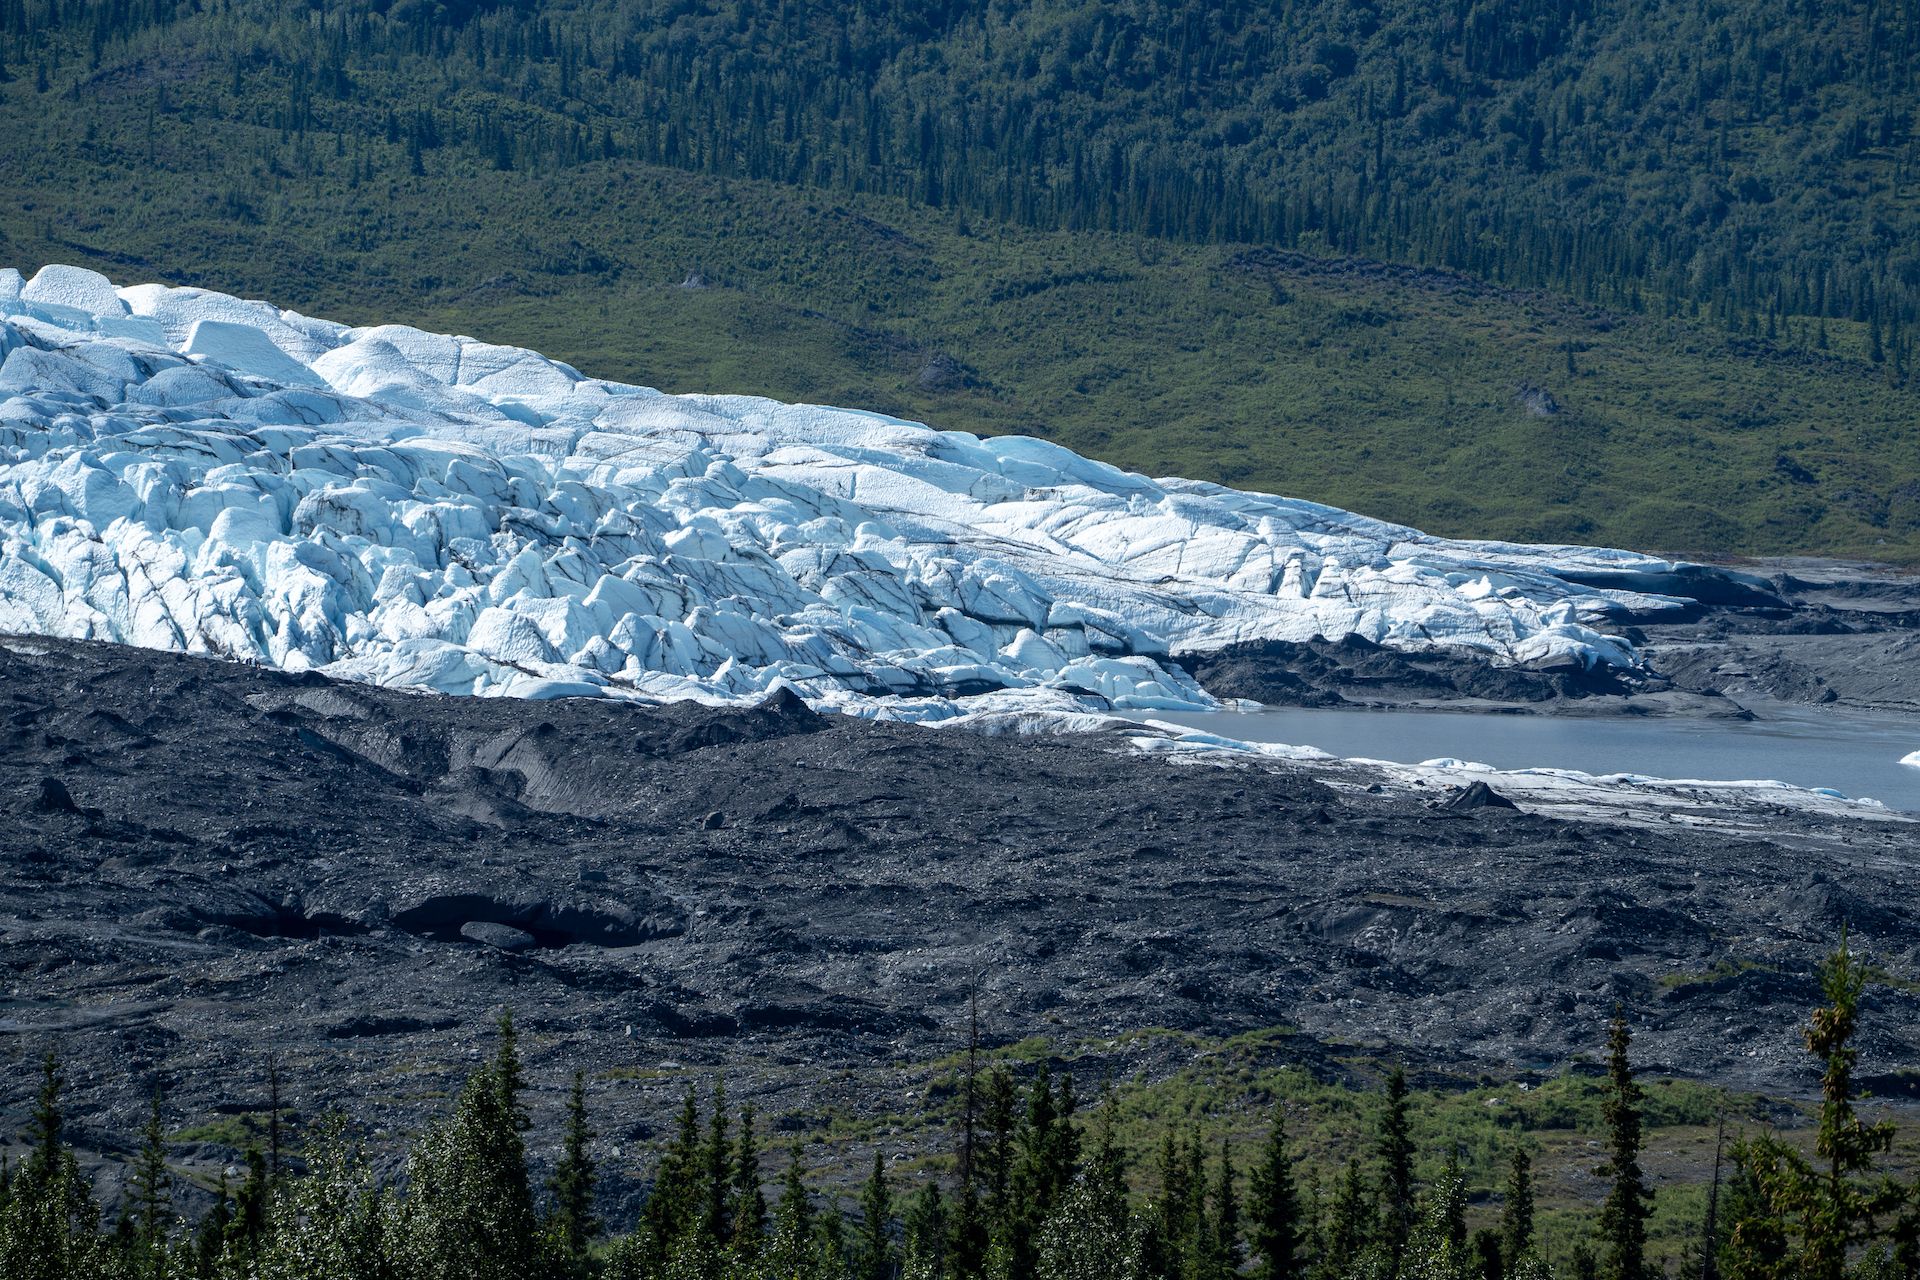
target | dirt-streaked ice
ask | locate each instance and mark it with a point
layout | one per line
(186, 470)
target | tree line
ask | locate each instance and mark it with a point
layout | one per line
(1752, 163)
(1036, 1190)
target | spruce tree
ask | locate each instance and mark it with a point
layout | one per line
(246, 1232)
(1903, 1236)
(469, 1212)
(151, 1190)
(1841, 1206)
(509, 1079)
(996, 1159)
(715, 1221)
(1516, 1214)
(1623, 1218)
(965, 1252)
(968, 1238)
(211, 1235)
(830, 1253)
(790, 1251)
(1044, 1162)
(571, 1224)
(1489, 1262)
(1708, 1258)
(1170, 1221)
(749, 1203)
(339, 1223)
(675, 1204)
(273, 1119)
(873, 1253)
(51, 1228)
(1273, 1216)
(1396, 1170)
(924, 1251)
(1755, 1246)
(1226, 1216)
(1201, 1249)
(1350, 1227)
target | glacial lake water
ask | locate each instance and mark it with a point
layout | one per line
(1857, 753)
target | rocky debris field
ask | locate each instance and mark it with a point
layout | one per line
(1850, 636)
(204, 864)
(1799, 631)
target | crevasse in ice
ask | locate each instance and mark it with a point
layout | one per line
(186, 470)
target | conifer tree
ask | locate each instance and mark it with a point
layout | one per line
(1091, 1234)
(1170, 1222)
(996, 1159)
(338, 1223)
(968, 1238)
(1396, 1170)
(675, 1204)
(749, 1204)
(509, 1079)
(1903, 1236)
(1200, 1251)
(1226, 1216)
(1438, 1250)
(1516, 1214)
(1623, 1218)
(873, 1254)
(1841, 1206)
(966, 1245)
(1273, 1217)
(1756, 1246)
(51, 1228)
(1488, 1262)
(469, 1209)
(924, 1251)
(151, 1190)
(1707, 1260)
(571, 1224)
(1787, 1216)
(790, 1251)
(273, 1119)
(715, 1221)
(1312, 1219)
(831, 1255)
(210, 1236)
(1044, 1162)
(246, 1232)
(1350, 1226)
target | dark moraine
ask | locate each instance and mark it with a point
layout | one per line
(202, 863)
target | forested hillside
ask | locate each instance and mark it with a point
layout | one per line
(1676, 246)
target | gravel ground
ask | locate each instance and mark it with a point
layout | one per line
(204, 864)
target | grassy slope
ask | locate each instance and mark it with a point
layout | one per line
(1385, 390)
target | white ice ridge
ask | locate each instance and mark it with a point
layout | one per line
(186, 470)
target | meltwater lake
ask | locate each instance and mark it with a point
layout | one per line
(1857, 753)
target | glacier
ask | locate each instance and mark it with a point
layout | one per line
(186, 470)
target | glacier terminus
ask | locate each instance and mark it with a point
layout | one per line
(181, 469)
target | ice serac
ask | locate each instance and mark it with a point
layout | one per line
(186, 470)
